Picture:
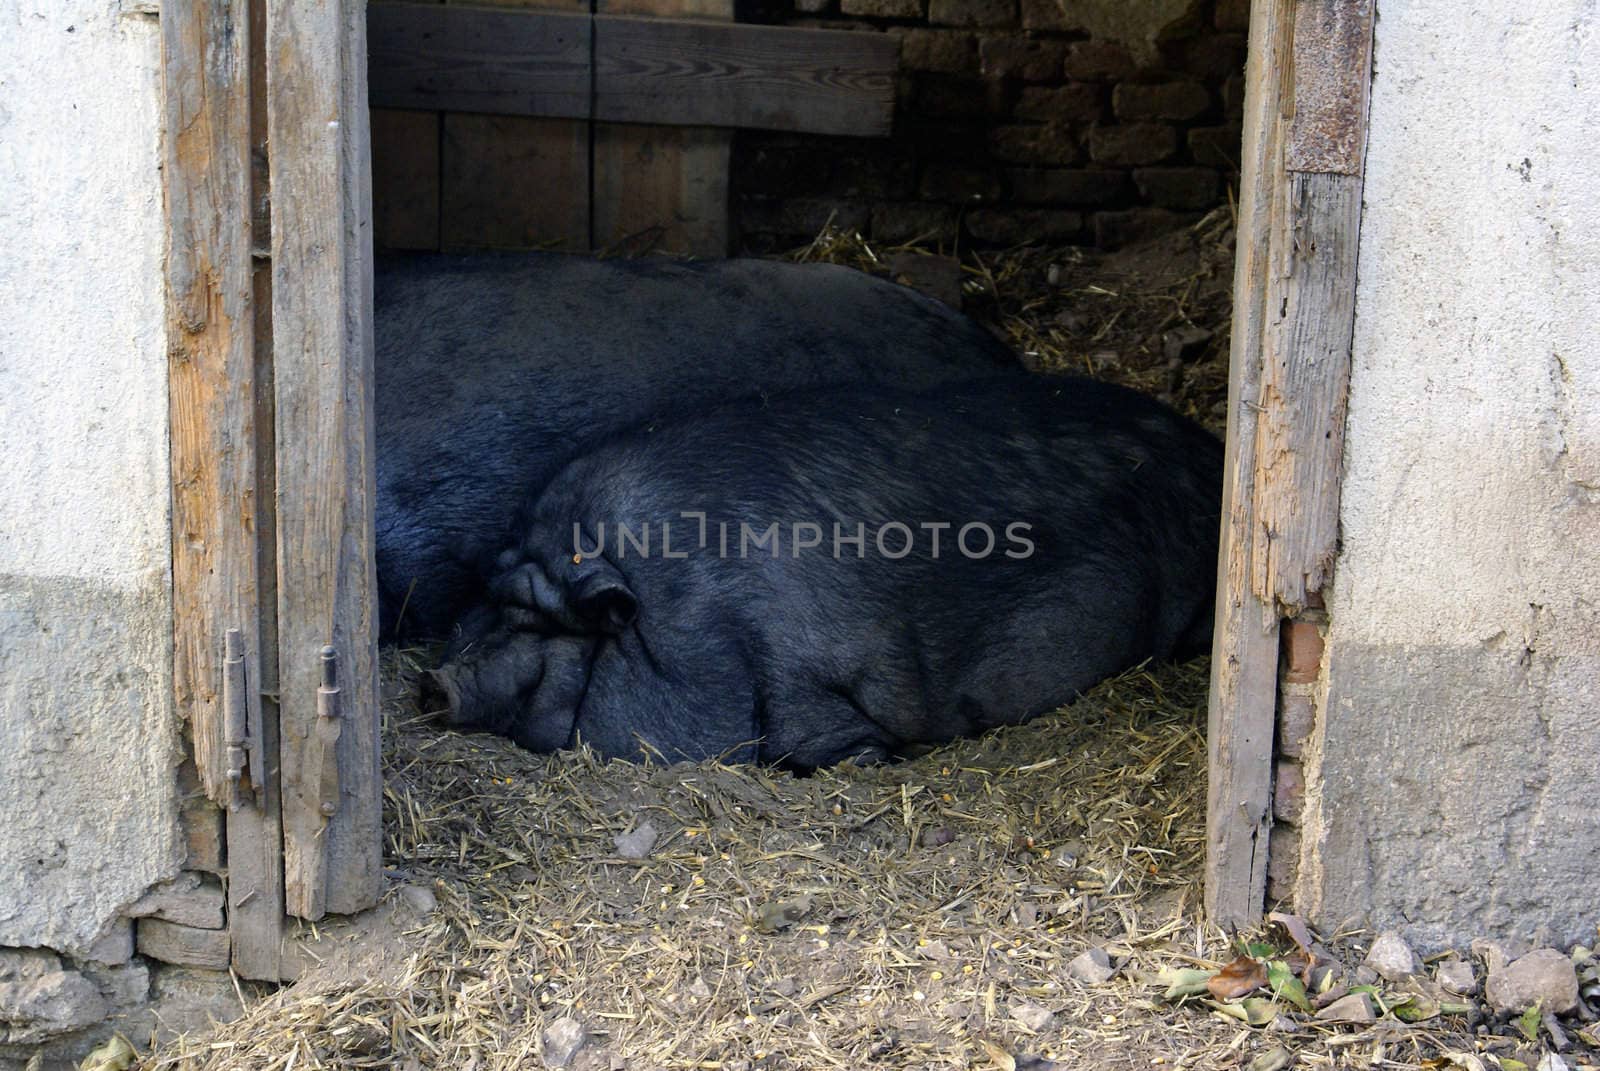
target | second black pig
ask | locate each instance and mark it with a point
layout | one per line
(840, 573)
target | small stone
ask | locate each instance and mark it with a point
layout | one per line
(637, 843)
(700, 989)
(562, 1040)
(1355, 1008)
(1495, 954)
(1544, 976)
(1392, 958)
(419, 899)
(1455, 976)
(1092, 967)
(1035, 1017)
(1365, 975)
(937, 836)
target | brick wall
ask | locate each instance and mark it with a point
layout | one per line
(1016, 120)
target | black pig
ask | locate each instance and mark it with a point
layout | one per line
(618, 620)
(494, 371)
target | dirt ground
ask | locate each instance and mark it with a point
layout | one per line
(559, 911)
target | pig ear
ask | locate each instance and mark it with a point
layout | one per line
(605, 602)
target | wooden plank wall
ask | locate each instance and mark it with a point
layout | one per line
(322, 358)
(220, 506)
(1307, 87)
(662, 187)
(518, 164)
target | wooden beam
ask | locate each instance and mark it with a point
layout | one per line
(1305, 386)
(1306, 361)
(462, 59)
(665, 71)
(322, 357)
(690, 73)
(1243, 700)
(218, 499)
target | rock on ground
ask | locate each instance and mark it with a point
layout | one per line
(1543, 975)
(1092, 967)
(1392, 958)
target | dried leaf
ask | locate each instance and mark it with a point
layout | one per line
(1275, 1059)
(1243, 975)
(1185, 982)
(1294, 927)
(1252, 1011)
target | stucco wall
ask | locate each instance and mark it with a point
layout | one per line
(1455, 784)
(88, 740)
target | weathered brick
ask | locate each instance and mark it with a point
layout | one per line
(1017, 226)
(1297, 716)
(1132, 144)
(1043, 15)
(1232, 15)
(1159, 100)
(781, 171)
(1288, 793)
(1216, 146)
(188, 900)
(800, 218)
(1283, 863)
(946, 51)
(1302, 652)
(1112, 230)
(1036, 185)
(1214, 56)
(956, 96)
(883, 9)
(1049, 143)
(906, 222)
(958, 183)
(1027, 59)
(183, 945)
(1075, 102)
(1182, 188)
(972, 12)
(1097, 61)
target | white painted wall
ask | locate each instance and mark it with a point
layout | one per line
(88, 739)
(1459, 788)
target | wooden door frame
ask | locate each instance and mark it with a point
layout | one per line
(268, 309)
(1305, 130)
(296, 387)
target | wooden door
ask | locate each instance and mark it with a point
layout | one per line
(269, 383)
